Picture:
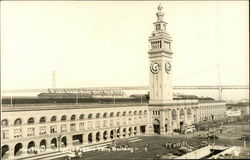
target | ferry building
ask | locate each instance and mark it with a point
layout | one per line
(64, 125)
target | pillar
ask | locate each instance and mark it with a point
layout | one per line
(178, 118)
(70, 141)
(150, 126)
(101, 136)
(170, 125)
(84, 139)
(132, 131)
(185, 116)
(11, 150)
(162, 122)
(108, 135)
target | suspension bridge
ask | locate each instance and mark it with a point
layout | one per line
(119, 91)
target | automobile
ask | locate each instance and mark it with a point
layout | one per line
(245, 138)
(213, 137)
(204, 143)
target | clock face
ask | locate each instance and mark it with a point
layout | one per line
(155, 67)
(168, 67)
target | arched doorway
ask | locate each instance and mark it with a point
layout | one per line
(90, 138)
(5, 151)
(156, 125)
(53, 143)
(31, 147)
(118, 133)
(105, 135)
(18, 149)
(97, 136)
(111, 134)
(43, 145)
(130, 131)
(124, 132)
(64, 141)
(135, 130)
(31, 144)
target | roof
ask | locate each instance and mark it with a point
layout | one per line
(37, 107)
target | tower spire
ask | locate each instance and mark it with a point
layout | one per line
(159, 14)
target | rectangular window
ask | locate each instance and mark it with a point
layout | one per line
(158, 27)
(31, 131)
(17, 133)
(124, 121)
(105, 123)
(118, 122)
(53, 129)
(63, 128)
(81, 126)
(129, 120)
(5, 134)
(72, 127)
(97, 124)
(42, 130)
(111, 122)
(135, 119)
(90, 125)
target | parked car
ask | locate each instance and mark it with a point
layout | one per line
(245, 138)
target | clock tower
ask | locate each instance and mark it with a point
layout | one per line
(160, 62)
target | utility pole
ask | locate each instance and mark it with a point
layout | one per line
(53, 79)
(76, 98)
(219, 83)
(11, 104)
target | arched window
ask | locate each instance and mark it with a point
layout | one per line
(135, 112)
(182, 114)
(64, 118)
(97, 115)
(4, 122)
(111, 114)
(118, 114)
(18, 121)
(105, 115)
(81, 117)
(140, 112)
(42, 120)
(53, 119)
(130, 113)
(31, 120)
(90, 116)
(124, 113)
(145, 112)
(174, 115)
(73, 117)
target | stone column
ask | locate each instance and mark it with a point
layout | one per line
(101, 136)
(150, 128)
(197, 115)
(48, 143)
(162, 122)
(115, 133)
(93, 137)
(178, 118)
(11, 151)
(185, 116)
(70, 141)
(84, 139)
(170, 126)
(108, 135)
(138, 130)
(132, 131)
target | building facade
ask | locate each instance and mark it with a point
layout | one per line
(51, 127)
(43, 127)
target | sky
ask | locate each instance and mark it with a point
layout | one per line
(92, 44)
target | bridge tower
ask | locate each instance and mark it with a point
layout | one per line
(160, 57)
